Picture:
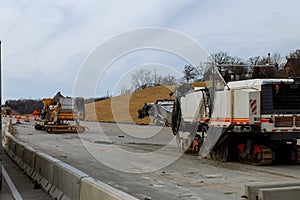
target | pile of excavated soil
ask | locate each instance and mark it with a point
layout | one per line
(124, 108)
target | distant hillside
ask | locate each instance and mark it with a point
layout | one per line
(91, 100)
(24, 106)
(124, 108)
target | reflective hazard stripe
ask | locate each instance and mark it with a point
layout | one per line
(234, 120)
(263, 120)
(253, 106)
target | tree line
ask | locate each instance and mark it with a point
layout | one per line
(23, 106)
(27, 106)
(230, 67)
(235, 68)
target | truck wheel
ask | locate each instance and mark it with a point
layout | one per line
(176, 117)
(49, 130)
(80, 129)
(37, 127)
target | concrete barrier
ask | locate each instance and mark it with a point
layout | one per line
(12, 146)
(93, 189)
(23, 155)
(67, 180)
(29, 155)
(286, 193)
(5, 141)
(252, 190)
(18, 158)
(9, 145)
(60, 180)
(44, 168)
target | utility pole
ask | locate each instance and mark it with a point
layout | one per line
(155, 75)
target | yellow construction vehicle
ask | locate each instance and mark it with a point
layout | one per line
(61, 115)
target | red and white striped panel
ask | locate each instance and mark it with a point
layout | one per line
(253, 106)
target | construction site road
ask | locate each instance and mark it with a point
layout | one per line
(187, 177)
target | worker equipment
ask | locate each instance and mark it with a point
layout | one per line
(58, 114)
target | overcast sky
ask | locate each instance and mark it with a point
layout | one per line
(44, 43)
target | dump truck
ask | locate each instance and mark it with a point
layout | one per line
(255, 121)
(61, 115)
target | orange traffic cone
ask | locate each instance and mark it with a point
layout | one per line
(18, 120)
(26, 118)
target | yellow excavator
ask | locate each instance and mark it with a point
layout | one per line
(61, 115)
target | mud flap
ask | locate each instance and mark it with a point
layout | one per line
(213, 136)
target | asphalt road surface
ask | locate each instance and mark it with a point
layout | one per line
(145, 162)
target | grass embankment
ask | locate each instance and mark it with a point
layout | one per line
(124, 108)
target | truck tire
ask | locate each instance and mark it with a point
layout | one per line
(176, 117)
(49, 130)
(80, 129)
(37, 127)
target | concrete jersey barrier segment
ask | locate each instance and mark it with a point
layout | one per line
(286, 193)
(261, 191)
(94, 189)
(60, 180)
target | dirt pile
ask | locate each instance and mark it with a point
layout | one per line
(124, 108)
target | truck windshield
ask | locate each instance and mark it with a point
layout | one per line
(281, 98)
(286, 97)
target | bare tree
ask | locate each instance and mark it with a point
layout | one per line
(125, 90)
(220, 58)
(264, 61)
(266, 66)
(254, 60)
(239, 68)
(294, 54)
(159, 79)
(141, 78)
(230, 67)
(276, 58)
(145, 78)
(169, 80)
(189, 72)
(235, 61)
(207, 75)
(201, 69)
(271, 59)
